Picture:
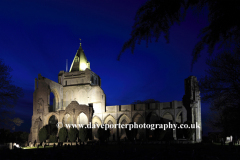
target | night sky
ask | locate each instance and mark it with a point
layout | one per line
(38, 36)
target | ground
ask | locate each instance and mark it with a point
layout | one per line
(128, 151)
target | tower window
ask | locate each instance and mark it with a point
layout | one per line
(76, 59)
(65, 82)
(92, 79)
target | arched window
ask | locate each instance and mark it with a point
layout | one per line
(110, 127)
(82, 119)
(123, 132)
(52, 103)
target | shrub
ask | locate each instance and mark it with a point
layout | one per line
(52, 138)
(83, 133)
(159, 133)
(42, 134)
(89, 134)
(131, 134)
(51, 130)
(72, 134)
(63, 134)
(54, 130)
(103, 134)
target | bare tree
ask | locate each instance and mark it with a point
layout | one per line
(9, 94)
(158, 16)
(221, 87)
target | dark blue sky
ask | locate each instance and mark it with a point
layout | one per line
(38, 36)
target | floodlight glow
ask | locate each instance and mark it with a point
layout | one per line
(17, 145)
(83, 66)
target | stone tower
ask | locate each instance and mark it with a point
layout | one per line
(78, 97)
(192, 102)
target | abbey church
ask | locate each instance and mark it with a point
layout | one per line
(79, 99)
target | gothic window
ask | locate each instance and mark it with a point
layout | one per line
(76, 59)
(123, 132)
(52, 103)
(95, 129)
(40, 105)
(110, 127)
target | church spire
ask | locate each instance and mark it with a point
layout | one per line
(80, 62)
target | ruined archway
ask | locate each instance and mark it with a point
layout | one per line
(179, 117)
(110, 120)
(152, 118)
(167, 117)
(82, 119)
(138, 119)
(123, 120)
(96, 122)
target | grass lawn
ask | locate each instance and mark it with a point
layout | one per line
(129, 151)
(36, 147)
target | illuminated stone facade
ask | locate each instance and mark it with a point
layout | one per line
(79, 99)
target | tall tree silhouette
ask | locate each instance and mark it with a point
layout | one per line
(9, 94)
(158, 16)
(221, 87)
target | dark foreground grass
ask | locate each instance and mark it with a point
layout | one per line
(128, 151)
